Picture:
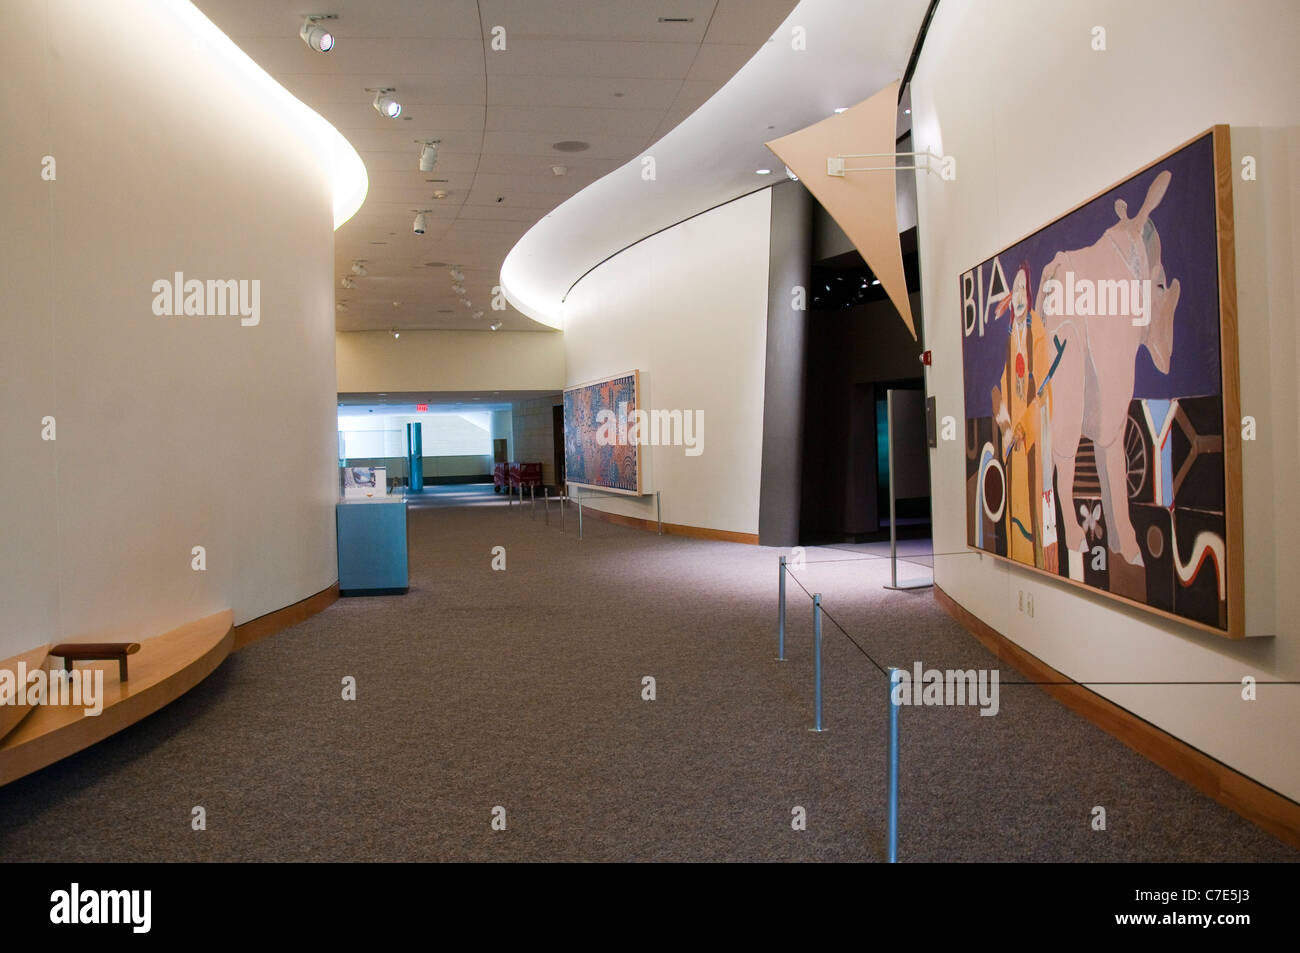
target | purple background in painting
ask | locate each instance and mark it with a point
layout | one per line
(1185, 219)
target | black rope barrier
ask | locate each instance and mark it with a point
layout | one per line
(1058, 683)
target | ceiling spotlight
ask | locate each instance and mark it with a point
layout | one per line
(459, 290)
(315, 36)
(457, 274)
(359, 268)
(347, 283)
(477, 315)
(428, 153)
(385, 104)
(790, 173)
(907, 111)
(440, 194)
(762, 171)
(341, 308)
(495, 326)
(420, 222)
(559, 170)
(467, 303)
(396, 334)
(841, 110)
(875, 281)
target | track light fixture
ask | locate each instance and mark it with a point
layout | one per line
(478, 315)
(467, 303)
(396, 334)
(341, 308)
(428, 154)
(420, 222)
(457, 275)
(495, 326)
(315, 35)
(459, 290)
(347, 283)
(385, 104)
(359, 268)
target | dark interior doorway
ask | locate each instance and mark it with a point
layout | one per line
(857, 348)
(557, 436)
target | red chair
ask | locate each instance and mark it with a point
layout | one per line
(527, 475)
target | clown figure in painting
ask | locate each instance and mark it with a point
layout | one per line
(1022, 404)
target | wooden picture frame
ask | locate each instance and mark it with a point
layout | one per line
(616, 467)
(1031, 375)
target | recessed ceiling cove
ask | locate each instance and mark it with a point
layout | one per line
(826, 55)
(499, 84)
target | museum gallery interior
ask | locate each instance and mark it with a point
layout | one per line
(650, 430)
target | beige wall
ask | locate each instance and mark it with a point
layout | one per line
(172, 432)
(1038, 121)
(688, 308)
(375, 361)
(534, 429)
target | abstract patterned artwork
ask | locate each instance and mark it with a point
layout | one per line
(590, 458)
(1100, 364)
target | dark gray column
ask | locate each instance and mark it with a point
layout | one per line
(789, 262)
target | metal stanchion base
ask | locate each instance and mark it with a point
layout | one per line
(917, 585)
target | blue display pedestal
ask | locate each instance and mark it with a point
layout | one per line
(372, 546)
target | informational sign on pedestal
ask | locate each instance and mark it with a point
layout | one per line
(364, 482)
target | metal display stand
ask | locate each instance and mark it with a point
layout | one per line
(659, 512)
(893, 526)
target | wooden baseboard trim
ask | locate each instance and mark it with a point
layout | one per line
(1262, 806)
(675, 529)
(266, 625)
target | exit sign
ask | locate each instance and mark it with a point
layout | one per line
(421, 408)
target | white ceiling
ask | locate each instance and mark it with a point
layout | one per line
(853, 48)
(606, 72)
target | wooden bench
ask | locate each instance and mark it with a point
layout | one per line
(96, 652)
(166, 667)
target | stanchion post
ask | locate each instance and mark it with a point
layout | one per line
(780, 615)
(532, 502)
(659, 513)
(893, 525)
(580, 514)
(817, 654)
(893, 767)
(546, 503)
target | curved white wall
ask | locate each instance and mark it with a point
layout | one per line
(688, 308)
(1037, 121)
(172, 432)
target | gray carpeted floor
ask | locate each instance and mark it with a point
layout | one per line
(522, 689)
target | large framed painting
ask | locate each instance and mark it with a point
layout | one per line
(597, 419)
(1101, 388)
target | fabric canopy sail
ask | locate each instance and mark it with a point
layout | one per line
(863, 203)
